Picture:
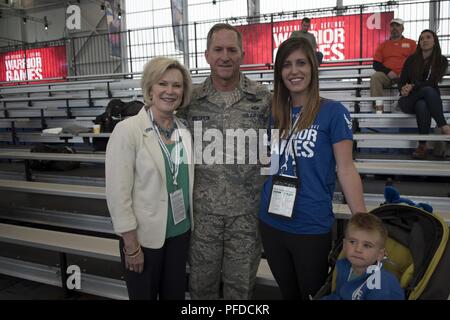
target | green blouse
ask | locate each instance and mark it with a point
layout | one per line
(172, 229)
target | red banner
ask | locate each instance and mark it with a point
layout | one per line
(338, 38)
(33, 64)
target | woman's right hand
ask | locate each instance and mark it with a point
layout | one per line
(134, 262)
(406, 89)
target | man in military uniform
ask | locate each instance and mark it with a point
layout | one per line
(225, 245)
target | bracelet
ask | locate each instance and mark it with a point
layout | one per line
(134, 253)
(139, 250)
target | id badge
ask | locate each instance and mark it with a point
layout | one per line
(178, 208)
(282, 198)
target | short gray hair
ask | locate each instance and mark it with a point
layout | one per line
(223, 26)
(154, 70)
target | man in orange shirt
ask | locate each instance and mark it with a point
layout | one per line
(389, 58)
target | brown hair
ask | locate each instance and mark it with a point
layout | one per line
(281, 109)
(368, 222)
(436, 62)
(154, 70)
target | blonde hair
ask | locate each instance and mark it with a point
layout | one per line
(281, 109)
(368, 222)
(154, 70)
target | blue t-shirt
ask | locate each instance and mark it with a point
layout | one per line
(316, 166)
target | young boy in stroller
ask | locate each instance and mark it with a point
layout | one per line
(417, 250)
(360, 275)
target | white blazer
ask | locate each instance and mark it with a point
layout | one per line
(136, 189)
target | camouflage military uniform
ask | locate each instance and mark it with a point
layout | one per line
(226, 243)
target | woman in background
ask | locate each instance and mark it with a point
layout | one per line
(419, 90)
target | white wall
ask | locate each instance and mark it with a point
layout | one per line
(11, 27)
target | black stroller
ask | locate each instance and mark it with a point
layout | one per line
(418, 252)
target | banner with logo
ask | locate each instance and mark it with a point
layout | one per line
(338, 37)
(33, 64)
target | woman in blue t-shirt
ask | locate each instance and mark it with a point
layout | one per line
(311, 140)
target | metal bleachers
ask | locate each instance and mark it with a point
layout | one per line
(27, 109)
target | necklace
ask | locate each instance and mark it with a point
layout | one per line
(166, 132)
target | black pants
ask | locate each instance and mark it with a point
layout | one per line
(425, 103)
(164, 272)
(299, 263)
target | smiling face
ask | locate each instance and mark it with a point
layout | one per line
(426, 41)
(296, 75)
(224, 55)
(363, 248)
(167, 92)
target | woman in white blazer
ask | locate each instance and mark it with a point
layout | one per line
(149, 180)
